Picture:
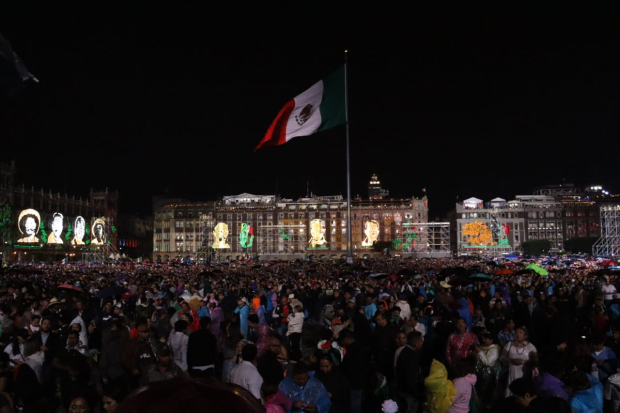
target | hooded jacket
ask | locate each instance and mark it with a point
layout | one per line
(463, 387)
(278, 403)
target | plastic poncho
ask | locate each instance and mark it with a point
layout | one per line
(440, 390)
(589, 400)
(313, 392)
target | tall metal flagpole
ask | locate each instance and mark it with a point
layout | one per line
(346, 112)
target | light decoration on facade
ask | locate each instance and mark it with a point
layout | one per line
(29, 224)
(371, 230)
(478, 234)
(246, 237)
(220, 233)
(317, 233)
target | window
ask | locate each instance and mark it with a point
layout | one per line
(344, 215)
(322, 215)
(249, 217)
(281, 216)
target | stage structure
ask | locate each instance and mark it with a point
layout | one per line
(281, 239)
(609, 242)
(102, 248)
(432, 237)
(205, 226)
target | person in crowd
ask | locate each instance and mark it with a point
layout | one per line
(274, 400)
(202, 351)
(178, 342)
(73, 368)
(244, 311)
(246, 374)
(464, 382)
(516, 354)
(487, 367)
(165, 368)
(461, 343)
(306, 393)
(604, 357)
(79, 405)
(112, 398)
(139, 354)
(440, 391)
(335, 382)
(295, 325)
(354, 366)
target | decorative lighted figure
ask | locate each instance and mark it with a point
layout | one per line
(478, 233)
(220, 233)
(98, 232)
(57, 226)
(246, 237)
(371, 229)
(317, 233)
(79, 230)
(28, 224)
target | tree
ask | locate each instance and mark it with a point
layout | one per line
(580, 244)
(379, 246)
(536, 247)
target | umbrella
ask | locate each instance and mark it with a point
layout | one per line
(504, 271)
(511, 257)
(481, 276)
(70, 287)
(538, 270)
(111, 291)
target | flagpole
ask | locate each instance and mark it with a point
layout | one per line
(346, 111)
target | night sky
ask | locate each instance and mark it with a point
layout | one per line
(173, 102)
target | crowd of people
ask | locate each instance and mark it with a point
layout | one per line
(381, 335)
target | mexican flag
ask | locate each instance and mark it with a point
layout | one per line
(319, 108)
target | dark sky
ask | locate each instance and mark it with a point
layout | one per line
(147, 101)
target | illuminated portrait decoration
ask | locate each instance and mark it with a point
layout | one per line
(79, 229)
(28, 224)
(246, 236)
(317, 233)
(57, 227)
(220, 233)
(98, 232)
(371, 230)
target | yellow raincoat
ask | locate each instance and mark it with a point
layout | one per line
(440, 390)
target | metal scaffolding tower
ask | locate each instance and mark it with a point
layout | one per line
(105, 253)
(609, 242)
(285, 239)
(205, 228)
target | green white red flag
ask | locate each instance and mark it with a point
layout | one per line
(319, 108)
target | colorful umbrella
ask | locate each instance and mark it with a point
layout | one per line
(70, 287)
(481, 276)
(504, 271)
(538, 270)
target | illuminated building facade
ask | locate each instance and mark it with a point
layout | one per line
(42, 225)
(310, 226)
(556, 213)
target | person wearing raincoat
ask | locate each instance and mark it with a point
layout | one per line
(306, 393)
(440, 391)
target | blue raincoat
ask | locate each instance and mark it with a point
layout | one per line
(312, 393)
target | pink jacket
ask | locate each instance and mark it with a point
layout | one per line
(463, 387)
(279, 403)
